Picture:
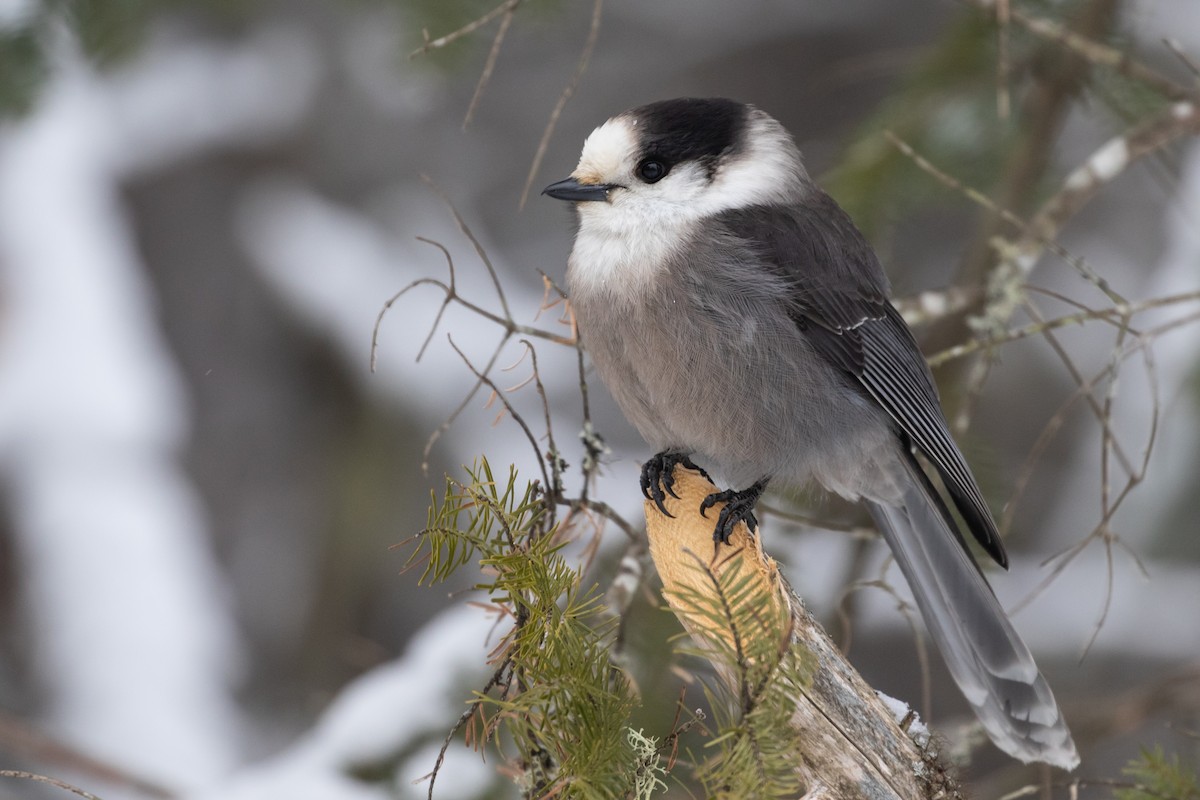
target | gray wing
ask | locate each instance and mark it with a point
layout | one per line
(839, 299)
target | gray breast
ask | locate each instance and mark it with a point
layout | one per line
(707, 360)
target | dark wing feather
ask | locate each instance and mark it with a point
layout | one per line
(840, 300)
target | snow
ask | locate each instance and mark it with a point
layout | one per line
(187, 97)
(917, 730)
(15, 14)
(133, 641)
(1104, 165)
(405, 706)
(136, 656)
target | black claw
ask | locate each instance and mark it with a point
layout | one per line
(658, 481)
(668, 484)
(739, 506)
(658, 501)
(658, 477)
(656, 494)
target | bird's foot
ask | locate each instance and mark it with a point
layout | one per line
(739, 507)
(658, 476)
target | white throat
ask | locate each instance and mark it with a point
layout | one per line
(623, 245)
(620, 253)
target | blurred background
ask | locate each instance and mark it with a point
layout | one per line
(204, 206)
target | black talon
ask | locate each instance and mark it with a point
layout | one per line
(658, 477)
(739, 506)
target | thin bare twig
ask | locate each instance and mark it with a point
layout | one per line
(583, 387)
(483, 378)
(1101, 314)
(604, 510)
(554, 490)
(33, 776)
(567, 92)
(450, 291)
(450, 420)
(1003, 61)
(1079, 187)
(489, 66)
(1095, 52)
(451, 295)
(925, 308)
(466, 231)
(982, 200)
(1103, 414)
(881, 583)
(1108, 440)
(19, 738)
(1177, 48)
(465, 30)
(1102, 531)
(472, 707)
(1107, 315)
(510, 327)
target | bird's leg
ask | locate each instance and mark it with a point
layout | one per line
(739, 506)
(658, 476)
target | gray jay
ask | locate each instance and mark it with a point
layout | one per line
(739, 317)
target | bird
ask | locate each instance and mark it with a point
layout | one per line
(742, 323)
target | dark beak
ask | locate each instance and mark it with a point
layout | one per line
(571, 189)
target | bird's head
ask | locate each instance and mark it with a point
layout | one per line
(682, 160)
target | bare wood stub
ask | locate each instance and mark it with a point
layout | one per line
(853, 747)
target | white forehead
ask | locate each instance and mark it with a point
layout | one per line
(610, 150)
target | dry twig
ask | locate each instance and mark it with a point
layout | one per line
(1095, 52)
(33, 776)
(567, 92)
(489, 66)
(466, 30)
(17, 737)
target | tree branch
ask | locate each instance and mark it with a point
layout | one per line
(852, 744)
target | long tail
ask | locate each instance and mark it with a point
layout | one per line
(986, 657)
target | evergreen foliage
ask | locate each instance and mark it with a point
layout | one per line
(555, 698)
(753, 751)
(558, 709)
(1160, 777)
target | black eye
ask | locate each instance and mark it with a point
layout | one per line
(651, 170)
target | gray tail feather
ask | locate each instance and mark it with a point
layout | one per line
(985, 656)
